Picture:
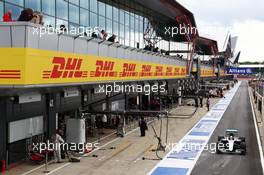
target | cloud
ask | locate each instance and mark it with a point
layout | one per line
(242, 18)
(251, 37)
(226, 12)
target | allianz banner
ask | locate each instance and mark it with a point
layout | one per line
(237, 70)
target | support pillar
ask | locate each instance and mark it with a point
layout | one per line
(51, 115)
(3, 131)
(180, 95)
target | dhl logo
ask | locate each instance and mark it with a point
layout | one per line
(104, 69)
(179, 71)
(10, 74)
(207, 72)
(129, 70)
(176, 71)
(159, 70)
(183, 71)
(65, 68)
(146, 71)
(169, 71)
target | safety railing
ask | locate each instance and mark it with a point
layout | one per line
(28, 35)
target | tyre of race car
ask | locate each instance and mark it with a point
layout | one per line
(243, 147)
(243, 152)
(220, 138)
(217, 148)
(243, 139)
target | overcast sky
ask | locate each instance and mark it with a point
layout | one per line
(242, 18)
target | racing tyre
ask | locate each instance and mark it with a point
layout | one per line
(243, 139)
(220, 138)
(217, 148)
(243, 148)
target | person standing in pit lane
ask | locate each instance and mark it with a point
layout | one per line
(57, 141)
(143, 127)
(208, 103)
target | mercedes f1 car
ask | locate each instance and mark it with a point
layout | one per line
(231, 143)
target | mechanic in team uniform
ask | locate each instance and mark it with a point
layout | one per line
(143, 127)
(57, 141)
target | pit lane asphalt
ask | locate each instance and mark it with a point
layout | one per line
(239, 116)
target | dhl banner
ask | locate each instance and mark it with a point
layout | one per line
(222, 72)
(27, 66)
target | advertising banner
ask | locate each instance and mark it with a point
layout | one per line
(26, 66)
(237, 70)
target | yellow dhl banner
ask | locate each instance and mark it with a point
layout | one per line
(27, 66)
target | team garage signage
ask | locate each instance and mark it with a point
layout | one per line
(33, 66)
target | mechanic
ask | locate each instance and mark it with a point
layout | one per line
(143, 126)
(208, 103)
(57, 140)
(201, 101)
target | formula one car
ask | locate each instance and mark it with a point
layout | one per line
(231, 143)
